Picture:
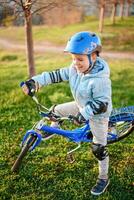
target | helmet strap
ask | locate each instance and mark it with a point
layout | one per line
(91, 64)
(90, 60)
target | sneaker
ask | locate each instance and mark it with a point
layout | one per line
(46, 135)
(100, 186)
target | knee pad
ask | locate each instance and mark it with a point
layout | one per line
(99, 151)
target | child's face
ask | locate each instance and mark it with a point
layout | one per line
(81, 62)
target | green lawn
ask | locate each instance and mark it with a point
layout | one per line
(45, 174)
(118, 37)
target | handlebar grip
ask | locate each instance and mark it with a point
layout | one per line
(22, 83)
(30, 86)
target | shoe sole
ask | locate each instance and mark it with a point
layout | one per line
(102, 191)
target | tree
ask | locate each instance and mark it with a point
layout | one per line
(29, 38)
(114, 4)
(128, 7)
(29, 7)
(121, 8)
(26, 8)
(101, 18)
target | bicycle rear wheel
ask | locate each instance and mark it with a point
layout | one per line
(23, 153)
(121, 124)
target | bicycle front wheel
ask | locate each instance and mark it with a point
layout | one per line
(23, 153)
(121, 124)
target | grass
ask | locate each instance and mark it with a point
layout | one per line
(115, 37)
(45, 174)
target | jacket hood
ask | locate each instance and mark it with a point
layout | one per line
(100, 69)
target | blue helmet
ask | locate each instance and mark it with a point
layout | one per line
(84, 43)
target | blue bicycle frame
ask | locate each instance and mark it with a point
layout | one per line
(78, 135)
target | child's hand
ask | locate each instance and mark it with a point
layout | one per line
(79, 119)
(25, 89)
(30, 87)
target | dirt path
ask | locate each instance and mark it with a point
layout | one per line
(48, 47)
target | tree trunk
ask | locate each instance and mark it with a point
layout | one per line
(29, 43)
(121, 8)
(113, 13)
(101, 19)
(127, 8)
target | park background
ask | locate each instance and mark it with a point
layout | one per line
(45, 173)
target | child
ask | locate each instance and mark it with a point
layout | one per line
(88, 77)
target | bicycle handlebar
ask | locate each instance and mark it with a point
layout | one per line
(50, 115)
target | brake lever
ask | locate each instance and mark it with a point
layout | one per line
(36, 100)
(53, 117)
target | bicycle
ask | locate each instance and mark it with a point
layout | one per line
(121, 124)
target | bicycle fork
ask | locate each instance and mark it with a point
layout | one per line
(35, 134)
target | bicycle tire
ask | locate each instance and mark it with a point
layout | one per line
(23, 153)
(122, 128)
